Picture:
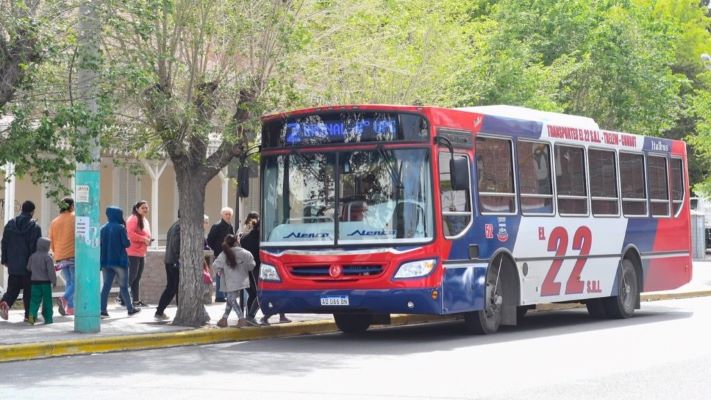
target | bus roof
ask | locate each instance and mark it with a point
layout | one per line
(548, 118)
(521, 121)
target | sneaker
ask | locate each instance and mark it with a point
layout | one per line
(139, 304)
(135, 310)
(118, 300)
(30, 320)
(222, 323)
(264, 321)
(161, 317)
(3, 310)
(242, 323)
(104, 315)
(252, 321)
(283, 319)
(61, 304)
(70, 310)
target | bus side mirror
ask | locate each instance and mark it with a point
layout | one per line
(459, 176)
(243, 181)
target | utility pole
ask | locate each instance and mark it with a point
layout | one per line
(87, 300)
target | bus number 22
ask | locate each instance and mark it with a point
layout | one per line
(558, 242)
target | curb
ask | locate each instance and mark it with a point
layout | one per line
(210, 335)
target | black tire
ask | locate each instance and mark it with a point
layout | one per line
(353, 323)
(623, 303)
(488, 320)
(521, 312)
(596, 308)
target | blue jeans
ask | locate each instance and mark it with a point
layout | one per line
(121, 273)
(68, 273)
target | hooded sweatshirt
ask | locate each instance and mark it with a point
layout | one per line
(19, 241)
(41, 265)
(114, 240)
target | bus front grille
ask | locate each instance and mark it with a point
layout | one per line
(348, 271)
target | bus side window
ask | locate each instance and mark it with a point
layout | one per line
(534, 170)
(570, 180)
(658, 186)
(603, 182)
(677, 180)
(497, 194)
(634, 194)
(456, 204)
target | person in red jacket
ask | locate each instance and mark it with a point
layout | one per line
(139, 234)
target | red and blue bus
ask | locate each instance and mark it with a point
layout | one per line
(484, 212)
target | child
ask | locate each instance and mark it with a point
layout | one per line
(233, 264)
(41, 266)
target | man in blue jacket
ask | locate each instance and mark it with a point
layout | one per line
(19, 241)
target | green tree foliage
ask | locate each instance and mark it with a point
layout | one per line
(190, 80)
(377, 51)
(631, 65)
(41, 134)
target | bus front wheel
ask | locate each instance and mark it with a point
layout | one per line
(489, 319)
(353, 323)
(622, 305)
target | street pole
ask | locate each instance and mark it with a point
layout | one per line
(87, 181)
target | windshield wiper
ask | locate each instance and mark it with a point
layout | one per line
(392, 169)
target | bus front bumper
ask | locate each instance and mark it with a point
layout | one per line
(377, 301)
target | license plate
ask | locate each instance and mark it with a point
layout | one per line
(334, 301)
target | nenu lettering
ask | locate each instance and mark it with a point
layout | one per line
(307, 235)
(363, 232)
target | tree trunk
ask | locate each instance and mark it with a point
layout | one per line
(191, 293)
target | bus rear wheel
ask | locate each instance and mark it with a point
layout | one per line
(353, 323)
(596, 308)
(622, 305)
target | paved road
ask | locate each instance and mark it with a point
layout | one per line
(662, 353)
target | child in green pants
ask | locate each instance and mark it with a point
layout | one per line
(41, 266)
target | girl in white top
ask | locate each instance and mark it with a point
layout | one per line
(233, 265)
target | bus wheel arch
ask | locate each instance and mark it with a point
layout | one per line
(623, 303)
(611, 307)
(632, 254)
(500, 300)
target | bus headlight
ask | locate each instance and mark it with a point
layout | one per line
(269, 273)
(415, 269)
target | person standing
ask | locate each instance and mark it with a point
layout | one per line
(139, 233)
(61, 236)
(19, 241)
(217, 235)
(250, 242)
(114, 260)
(172, 271)
(233, 264)
(43, 277)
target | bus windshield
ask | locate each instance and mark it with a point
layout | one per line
(348, 197)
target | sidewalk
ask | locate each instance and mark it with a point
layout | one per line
(19, 341)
